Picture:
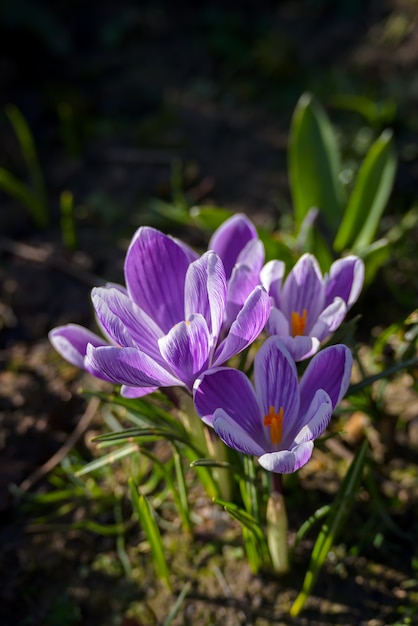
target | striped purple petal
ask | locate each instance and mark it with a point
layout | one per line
(276, 382)
(71, 342)
(155, 270)
(316, 418)
(287, 461)
(329, 370)
(124, 322)
(234, 434)
(330, 319)
(247, 326)
(230, 239)
(127, 366)
(186, 348)
(229, 389)
(304, 290)
(345, 280)
(205, 291)
(271, 277)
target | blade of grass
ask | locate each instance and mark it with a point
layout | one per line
(27, 145)
(368, 199)
(67, 220)
(18, 190)
(177, 605)
(107, 459)
(332, 526)
(183, 502)
(145, 515)
(314, 164)
(366, 382)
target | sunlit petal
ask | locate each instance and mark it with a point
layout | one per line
(304, 290)
(230, 390)
(276, 381)
(271, 277)
(287, 461)
(313, 423)
(186, 348)
(71, 342)
(155, 270)
(124, 322)
(330, 370)
(330, 319)
(205, 291)
(234, 434)
(248, 325)
(345, 280)
(127, 366)
(230, 239)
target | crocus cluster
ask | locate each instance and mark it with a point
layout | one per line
(181, 316)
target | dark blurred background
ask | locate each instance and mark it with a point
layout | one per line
(135, 106)
(114, 92)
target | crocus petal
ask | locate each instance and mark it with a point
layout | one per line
(120, 288)
(246, 328)
(186, 348)
(190, 253)
(136, 392)
(205, 291)
(252, 255)
(277, 323)
(287, 461)
(71, 342)
(345, 280)
(316, 419)
(276, 381)
(155, 270)
(304, 289)
(242, 282)
(230, 238)
(330, 370)
(271, 277)
(127, 366)
(228, 389)
(301, 347)
(124, 322)
(234, 435)
(329, 320)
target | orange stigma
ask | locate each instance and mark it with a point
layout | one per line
(275, 422)
(298, 322)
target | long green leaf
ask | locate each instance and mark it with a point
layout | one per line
(181, 493)
(107, 459)
(366, 382)
(332, 527)
(368, 199)
(18, 190)
(254, 538)
(314, 164)
(141, 411)
(146, 518)
(27, 145)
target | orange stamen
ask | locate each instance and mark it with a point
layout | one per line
(275, 422)
(298, 322)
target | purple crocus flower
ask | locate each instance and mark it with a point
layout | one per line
(279, 418)
(307, 307)
(167, 326)
(236, 242)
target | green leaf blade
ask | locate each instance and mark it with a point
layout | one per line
(314, 164)
(146, 518)
(369, 197)
(333, 525)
